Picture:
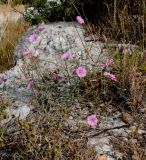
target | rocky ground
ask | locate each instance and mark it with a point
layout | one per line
(118, 133)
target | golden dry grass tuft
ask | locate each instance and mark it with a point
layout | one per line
(13, 32)
(10, 32)
(8, 8)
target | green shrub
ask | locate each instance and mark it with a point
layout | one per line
(49, 11)
(92, 9)
(121, 20)
(65, 10)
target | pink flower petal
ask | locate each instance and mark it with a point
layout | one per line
(111, 76)
(81, 72)
(107, 63)
(92, 120)
(1, 81)
(27, 53)
(41, 28)
(66, 56)
(80, 20)
(30, 84)
(33, 38)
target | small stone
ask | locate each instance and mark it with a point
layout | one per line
(117, 114)
(143, 110)
(88, 39)
(90, 104)
(118, 155)
(70, 117)
(102, 105)
(133, 141)
(132, 128)
(141, 131)
(126, 117)
(106, 148)
(102, 157)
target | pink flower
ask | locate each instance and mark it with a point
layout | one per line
(1, 81)
(92, 121)
(109, 75)
(66, 56)
(33, 38)
(80, 20)
(40, 28)
(30, 84)
(107, 63)
(27, 53)
(81, 72)
(55, 76)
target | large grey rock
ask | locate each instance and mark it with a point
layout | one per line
(54, 39)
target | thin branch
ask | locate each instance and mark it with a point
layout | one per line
(87, 134)
(108, 129)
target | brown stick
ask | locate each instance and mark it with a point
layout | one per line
(108, 129)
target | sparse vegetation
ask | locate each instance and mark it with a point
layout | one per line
(121, 21)
(120, 82)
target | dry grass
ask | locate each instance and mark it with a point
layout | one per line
(12, 34)
(43, 136)
(8, 13)
(125, 21)
(7, 8)
(46, 133)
